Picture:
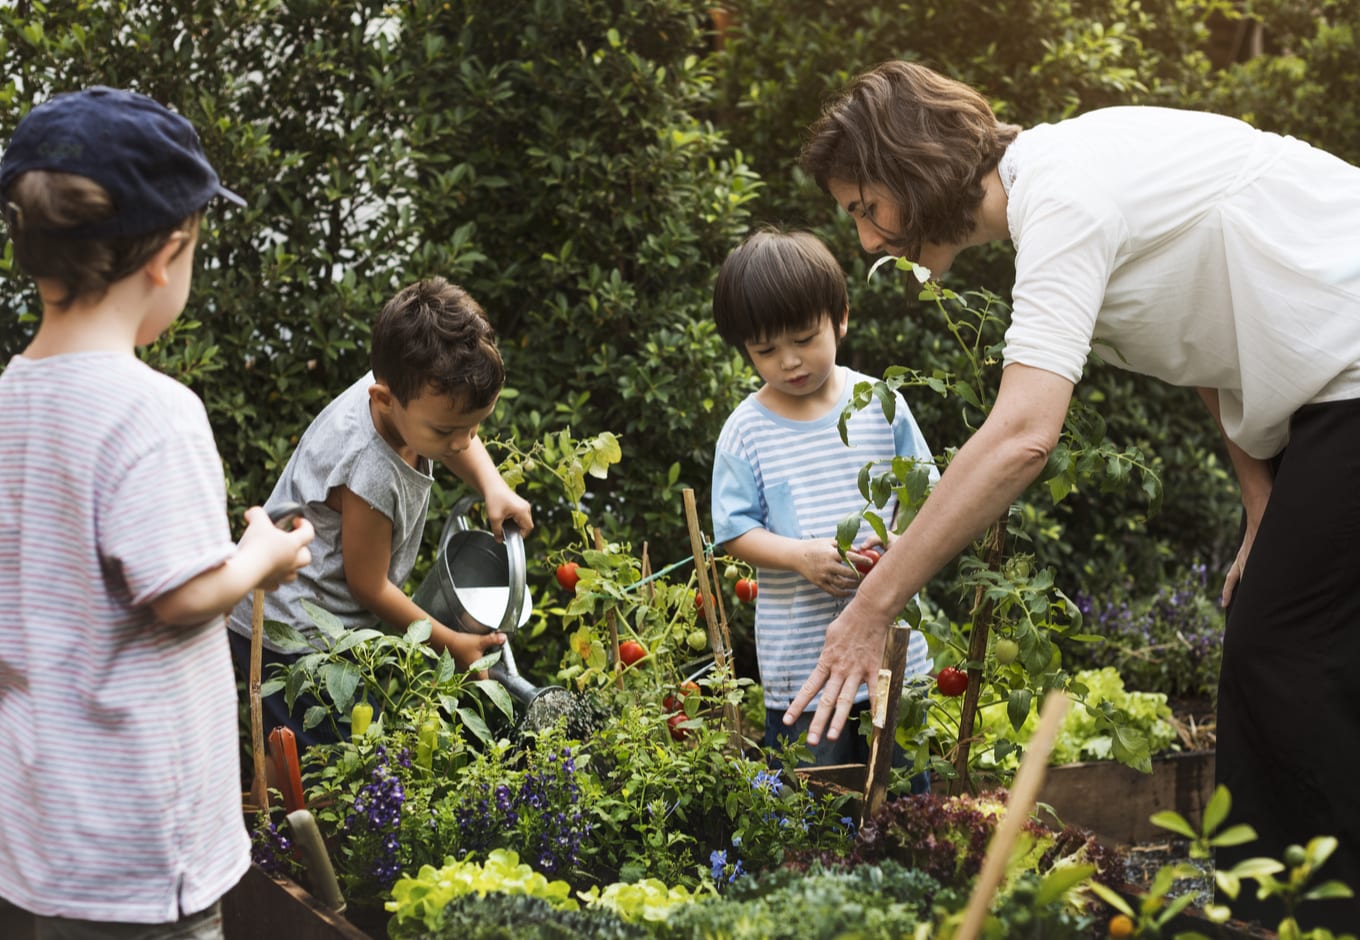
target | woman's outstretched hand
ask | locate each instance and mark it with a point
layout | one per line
(851, 657)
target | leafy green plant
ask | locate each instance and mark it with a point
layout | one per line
(422, 897)
(1011, 601)
(399, 674)
(1155, 911)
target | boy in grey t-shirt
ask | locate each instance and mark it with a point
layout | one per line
(364, 469)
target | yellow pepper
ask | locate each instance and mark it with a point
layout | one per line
(360, 717)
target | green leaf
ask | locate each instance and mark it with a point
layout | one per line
(324, 620)
(341, 679)
(285, 637)
(1174, 822)
(474, 723)
(1239, 834)
(1059, 881)
(498, 695)
(418, 631)
(1216, 811)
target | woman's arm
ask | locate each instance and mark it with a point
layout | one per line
(994, 467)
(1255, 481)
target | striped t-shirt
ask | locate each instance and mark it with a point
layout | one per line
(798, 479)
(119, 756)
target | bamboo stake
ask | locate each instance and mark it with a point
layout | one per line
(1020, 804)
(259, 787)
(889, 697)
(716, 637)
(647, 573)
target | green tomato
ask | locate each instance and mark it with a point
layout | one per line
(697, 640)
(731, 572)
(1006, 650)
(1295, 856)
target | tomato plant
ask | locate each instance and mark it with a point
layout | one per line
(746, 589)
(951, 681)
(567, 576)
(630, 651)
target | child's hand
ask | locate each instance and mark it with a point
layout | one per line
(505, 503)
(467, 648)
(820, 562)
(281, 553)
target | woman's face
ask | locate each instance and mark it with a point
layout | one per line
(877, 221)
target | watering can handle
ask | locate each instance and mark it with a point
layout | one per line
(514, 554)
(457, 520)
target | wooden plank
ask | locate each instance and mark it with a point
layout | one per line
(1115, 801)
(262, 906)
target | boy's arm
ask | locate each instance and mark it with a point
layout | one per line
(475, 467)
(816, 560)
(265, 557)
(366, 547)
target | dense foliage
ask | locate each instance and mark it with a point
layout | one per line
(583, 165)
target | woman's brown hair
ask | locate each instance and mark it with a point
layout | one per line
(927, 139)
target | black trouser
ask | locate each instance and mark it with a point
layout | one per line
(1289, 693)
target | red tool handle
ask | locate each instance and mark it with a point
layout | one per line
(283, 752)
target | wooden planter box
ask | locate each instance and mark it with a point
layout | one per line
(258, 907)
(1115, 801)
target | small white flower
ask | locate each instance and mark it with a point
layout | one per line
(921, 271)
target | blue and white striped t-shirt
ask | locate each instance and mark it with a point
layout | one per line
(798, 479)
(119, 756)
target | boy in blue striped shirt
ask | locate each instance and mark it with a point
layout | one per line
(782, 477)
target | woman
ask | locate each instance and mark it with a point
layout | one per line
(1182, 245)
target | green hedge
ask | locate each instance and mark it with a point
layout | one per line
(582, 166)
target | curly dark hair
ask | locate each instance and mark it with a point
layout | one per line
(433, 336)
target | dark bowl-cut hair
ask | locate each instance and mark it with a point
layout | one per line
(777, 282)
(432, 336)
(925, 138)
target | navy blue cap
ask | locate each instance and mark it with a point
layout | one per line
(148, 158)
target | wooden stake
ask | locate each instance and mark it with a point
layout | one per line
(1020, 804)
(259, 788)
(716, 637)
(884, 739)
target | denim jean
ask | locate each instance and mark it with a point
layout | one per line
(205, 925)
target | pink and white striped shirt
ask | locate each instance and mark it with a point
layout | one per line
(119, 755)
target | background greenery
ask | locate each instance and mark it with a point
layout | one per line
(582, 166)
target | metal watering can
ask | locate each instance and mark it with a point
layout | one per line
(477, 586)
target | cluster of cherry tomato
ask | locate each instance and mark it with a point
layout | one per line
(675, 707)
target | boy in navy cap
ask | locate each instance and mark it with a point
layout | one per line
(118, 719)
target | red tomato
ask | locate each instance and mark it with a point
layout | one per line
(746, 589)
(688, 688)
(677, 732)
(672, 704)
(698, 601)
(630, 651)
(872, 555)
(951, 681)
(567, 576)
